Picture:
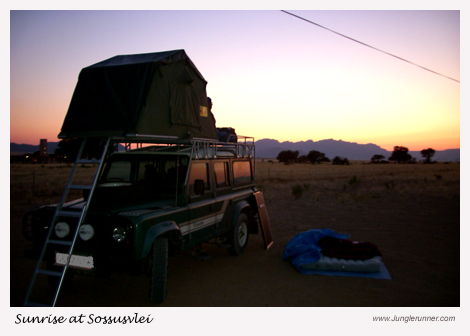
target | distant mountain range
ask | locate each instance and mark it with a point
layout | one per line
(269, 149)
(24, 148)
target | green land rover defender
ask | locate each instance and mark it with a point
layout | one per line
(185, 183)
(152, 200)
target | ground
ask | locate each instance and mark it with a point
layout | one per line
(411, 212)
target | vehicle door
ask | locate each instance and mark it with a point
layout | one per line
(222, 194)
(203, 219)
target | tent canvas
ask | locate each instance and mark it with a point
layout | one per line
(159, 94)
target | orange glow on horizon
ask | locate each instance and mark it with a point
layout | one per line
(271, 77)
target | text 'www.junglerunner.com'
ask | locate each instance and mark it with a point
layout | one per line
(411, 318)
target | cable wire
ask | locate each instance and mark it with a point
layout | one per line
(367, 45)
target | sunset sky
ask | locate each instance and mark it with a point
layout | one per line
(269, 74)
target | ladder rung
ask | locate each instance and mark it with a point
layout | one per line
(92, 161)
(69, 213)
(35, 304)
(59, 242)
(83, 187)
(47, 272)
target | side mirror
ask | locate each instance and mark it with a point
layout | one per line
(199, 187)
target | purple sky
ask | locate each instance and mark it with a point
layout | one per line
(270, 75)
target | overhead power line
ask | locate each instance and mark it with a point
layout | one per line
(367, 45)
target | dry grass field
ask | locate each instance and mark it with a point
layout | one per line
(410, 211)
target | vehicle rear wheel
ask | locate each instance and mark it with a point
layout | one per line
(159, 270)
(239, 238)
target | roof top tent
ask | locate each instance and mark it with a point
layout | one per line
(158, 94)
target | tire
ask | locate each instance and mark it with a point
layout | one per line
(159, 270)
(239, 237)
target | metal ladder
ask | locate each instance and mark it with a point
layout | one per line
(58, 213)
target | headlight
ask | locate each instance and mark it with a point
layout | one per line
(119, 234)
(61, 229)
(86, 232)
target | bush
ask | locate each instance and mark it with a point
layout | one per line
(297, 191)
(340, 161)
(353, 180)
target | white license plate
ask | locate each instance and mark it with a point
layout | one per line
(75, 261)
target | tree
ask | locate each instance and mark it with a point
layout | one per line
(324, 159)
(67, 149)
(340, 161)
(302, 159)
(287, 156)
(400, 154)
(316, 157)
(428, 154)
(377, 158)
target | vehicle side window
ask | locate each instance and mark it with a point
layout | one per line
(176, 170)
(147, 171)
(221, 174)
(199, 171)
(164, 170)
(242, 172)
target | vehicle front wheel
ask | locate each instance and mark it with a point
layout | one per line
(159, 270)
(239, 238)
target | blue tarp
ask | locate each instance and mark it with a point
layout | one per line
(303, 249)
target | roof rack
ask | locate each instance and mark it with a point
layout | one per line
(204, 148)
(199, 148)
